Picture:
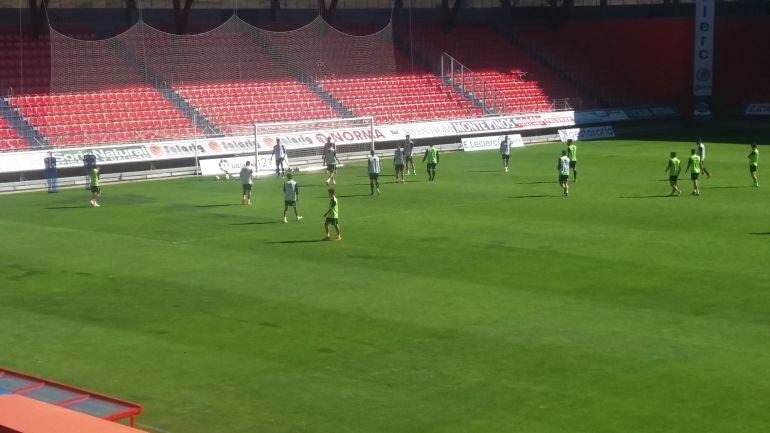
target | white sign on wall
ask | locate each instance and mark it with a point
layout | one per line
(490, 142)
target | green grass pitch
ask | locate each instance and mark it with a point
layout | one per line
(482, 302)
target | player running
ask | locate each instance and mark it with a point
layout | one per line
(563, 167)
(246, 180)
(374, 172)
(572, 155)
(693, 166)
(279, 154)
(398, 163)
(505, 152)
(409, 155)
(332, 216)
(290, 197)
(701, 151)
(673, 168)
(753, 162)
(331, 161)
(431, 154)
(96, 191)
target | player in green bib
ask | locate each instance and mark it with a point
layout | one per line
(693, 166)
(94, 184)
(572, 155)
(673, 168)
(332, 216)
(431, 154)
(753, 162)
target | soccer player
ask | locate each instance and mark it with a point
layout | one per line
(95, 189)
(431, 154)
(246, 174)
(701, 151)
(331, 160)
(279, 154)
(409, 155)
(673, 168)
(563, 167)
(572, 154)
(374, 172)
(290, 197)
(693, 166)
(505, 152)
(332, 216)
(398, 163)
(753, 162)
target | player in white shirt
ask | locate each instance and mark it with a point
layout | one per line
(398, 163)
(279, 155)
(331, 160)
(290, 197)
(246, 180)
(563, 168)
(409, 155)
(701, 151)
(373, 167)
(505, 152)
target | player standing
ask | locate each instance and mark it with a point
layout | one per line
(398, 163)
(572, 155)
(409, 155)
(374, 172)
(246, 180)
(753, 162)
(701, 151)
(332, 216)
(505, 152)
(693, 166)
(563, 167)
(673, 168)
(331, 161)
(279, 154)
(290, 197)
(95, 189)
(431, 154)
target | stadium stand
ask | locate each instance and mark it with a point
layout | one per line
(400, 98)
(109, 116)
(9, 138)
(741, 74)
(526, 84)
(25, 66)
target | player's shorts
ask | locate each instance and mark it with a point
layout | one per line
(563, 177)
(752, 168)
(246, 188)
(673, 178)
(278, 162)
(431, 166)
(374, 176)
(290, 202)
(506, 157)
(331, 167)
(694, 176)
(333, 221)
(409, 158)
(572, 164)
(95, 189)
(399, 167)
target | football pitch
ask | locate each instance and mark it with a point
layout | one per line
(481, 302)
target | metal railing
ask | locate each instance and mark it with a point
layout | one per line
(471, 85)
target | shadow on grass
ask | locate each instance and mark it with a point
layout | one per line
(353, 195)
(217, 205)
(254, 223)
(485, 171)
(65, 207)
(536, 196)
(536, 183)
(647, 196)
(302, 241)
(760, 234)
(724, 187)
